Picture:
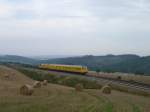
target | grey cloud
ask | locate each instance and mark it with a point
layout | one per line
(119, 8)
(76, 27)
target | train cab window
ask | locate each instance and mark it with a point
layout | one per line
(84, 67)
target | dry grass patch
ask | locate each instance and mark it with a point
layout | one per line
(9, 75)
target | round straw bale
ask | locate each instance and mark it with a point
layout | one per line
(106, 89)
(37, 84)
(26, 90)
(79, 87)
(45, 82)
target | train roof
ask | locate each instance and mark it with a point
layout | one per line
(65, 65)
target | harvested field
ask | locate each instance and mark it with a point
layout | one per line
(55, 98)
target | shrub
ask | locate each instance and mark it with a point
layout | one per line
(119, 77)
(79, 87)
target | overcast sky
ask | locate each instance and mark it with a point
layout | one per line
(74, 27)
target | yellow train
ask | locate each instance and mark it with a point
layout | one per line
(65, 68)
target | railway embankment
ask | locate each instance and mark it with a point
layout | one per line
(116, 84)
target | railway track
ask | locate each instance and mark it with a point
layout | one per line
(129, 84)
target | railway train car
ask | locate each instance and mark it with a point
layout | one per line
(65, 68)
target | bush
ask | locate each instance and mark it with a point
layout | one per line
(119, 77)
(79, 87)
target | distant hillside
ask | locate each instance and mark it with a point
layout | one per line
(108, 63)
(138, 66)
(17, 59)
(94, 61)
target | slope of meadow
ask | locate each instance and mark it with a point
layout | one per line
(57, 98)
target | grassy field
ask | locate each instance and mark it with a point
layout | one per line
(57, 98)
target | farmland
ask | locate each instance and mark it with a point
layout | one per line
(58, 98)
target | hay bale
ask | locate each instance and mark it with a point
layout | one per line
(37, 84)
(79, 87)
(106, 89)
(45, 82)
(26, 90)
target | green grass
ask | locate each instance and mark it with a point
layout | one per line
(108, 107)
(136, 108)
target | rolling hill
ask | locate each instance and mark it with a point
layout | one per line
(95, 60)
(109, 63)
(17, 59)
